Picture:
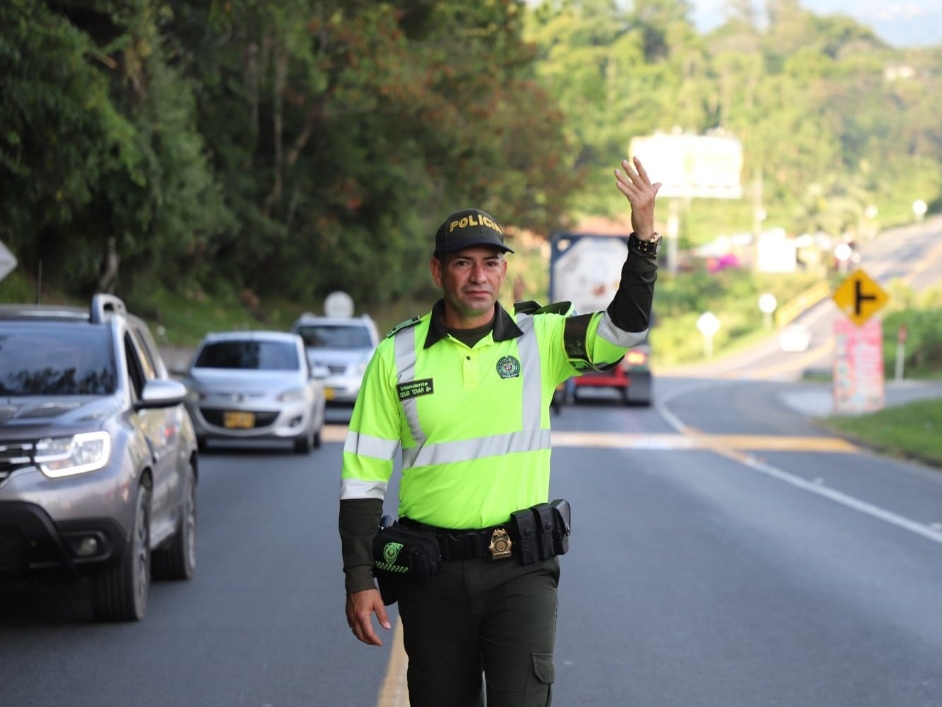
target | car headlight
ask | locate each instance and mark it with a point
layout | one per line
(291, 396)
(360, 368)
(68, 456)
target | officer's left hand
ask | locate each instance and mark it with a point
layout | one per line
(634, 183)
(360, 609)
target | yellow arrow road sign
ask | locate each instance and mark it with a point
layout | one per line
(859, 297)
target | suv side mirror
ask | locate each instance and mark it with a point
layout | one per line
(161, 393)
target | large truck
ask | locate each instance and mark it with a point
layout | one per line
(585, 269)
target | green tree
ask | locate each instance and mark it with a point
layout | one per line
(101, 163)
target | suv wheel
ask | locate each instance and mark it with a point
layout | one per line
(120, 594)
(177, 559)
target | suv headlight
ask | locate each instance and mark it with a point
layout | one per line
(68, 456)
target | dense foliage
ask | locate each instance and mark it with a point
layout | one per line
(297, 146)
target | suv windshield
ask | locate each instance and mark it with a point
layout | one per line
(335, 336)
(54, 359)
(251, 355)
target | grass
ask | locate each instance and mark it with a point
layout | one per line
(912, 431)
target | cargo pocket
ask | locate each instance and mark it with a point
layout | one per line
(541, 692)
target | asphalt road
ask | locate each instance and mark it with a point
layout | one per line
(726, 552)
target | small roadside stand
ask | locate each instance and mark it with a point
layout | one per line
(858, 354)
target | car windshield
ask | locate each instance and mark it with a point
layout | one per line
(54, 359)
(335, 336)
(249, 355)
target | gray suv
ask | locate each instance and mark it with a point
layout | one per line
(338, 349)
(98, 458)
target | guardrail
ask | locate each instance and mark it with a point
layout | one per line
(789, 311)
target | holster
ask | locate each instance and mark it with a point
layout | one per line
(542, 531)
(563, 528)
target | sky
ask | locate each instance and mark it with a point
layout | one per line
(901, 23)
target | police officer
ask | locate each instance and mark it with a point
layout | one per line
(464, 391)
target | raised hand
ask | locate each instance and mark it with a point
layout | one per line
(632, 181)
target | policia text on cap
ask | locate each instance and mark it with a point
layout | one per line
(464, 391)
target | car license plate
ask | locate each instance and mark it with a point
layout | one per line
(239, 420)
(328, 393)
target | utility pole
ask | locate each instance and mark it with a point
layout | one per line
(758, 216)
(673, 234)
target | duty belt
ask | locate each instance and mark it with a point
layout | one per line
(494, 542)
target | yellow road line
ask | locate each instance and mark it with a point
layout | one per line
(395, 689)
(334, 433)
(692, 439)
(923, 264)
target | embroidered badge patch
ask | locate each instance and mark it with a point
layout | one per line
(508, 367)
(391, 552)
(412, 389)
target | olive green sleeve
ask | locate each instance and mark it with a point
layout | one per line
(359, 521)
(630, 309)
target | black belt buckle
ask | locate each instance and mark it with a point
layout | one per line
(501, 545)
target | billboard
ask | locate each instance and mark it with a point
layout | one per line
(691, 166)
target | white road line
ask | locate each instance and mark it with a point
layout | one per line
(823, 491)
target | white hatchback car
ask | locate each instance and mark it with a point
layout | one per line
(255, 385)
(794, 338)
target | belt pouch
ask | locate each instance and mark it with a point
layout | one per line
(562, 526)
(527, 544)
(386, 590)
(545, 520)
(406, 552)
(384, 579)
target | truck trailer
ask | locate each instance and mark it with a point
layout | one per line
(585, 269)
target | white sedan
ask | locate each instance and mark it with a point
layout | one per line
(255, 385)
(795, 338)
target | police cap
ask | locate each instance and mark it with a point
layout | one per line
(467, 228)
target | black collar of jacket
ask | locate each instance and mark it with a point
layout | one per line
(505, 328)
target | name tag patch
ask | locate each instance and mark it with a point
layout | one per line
(413, 389)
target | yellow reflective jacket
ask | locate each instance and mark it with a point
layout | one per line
(473, 424)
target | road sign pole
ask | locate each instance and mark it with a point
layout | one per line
(673, 234)
(900, 353)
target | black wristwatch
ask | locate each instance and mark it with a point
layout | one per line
(649, 247)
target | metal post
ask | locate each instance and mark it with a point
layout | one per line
(673, 234)
(900, 352)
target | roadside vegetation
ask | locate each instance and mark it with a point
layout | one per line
(912, 431)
